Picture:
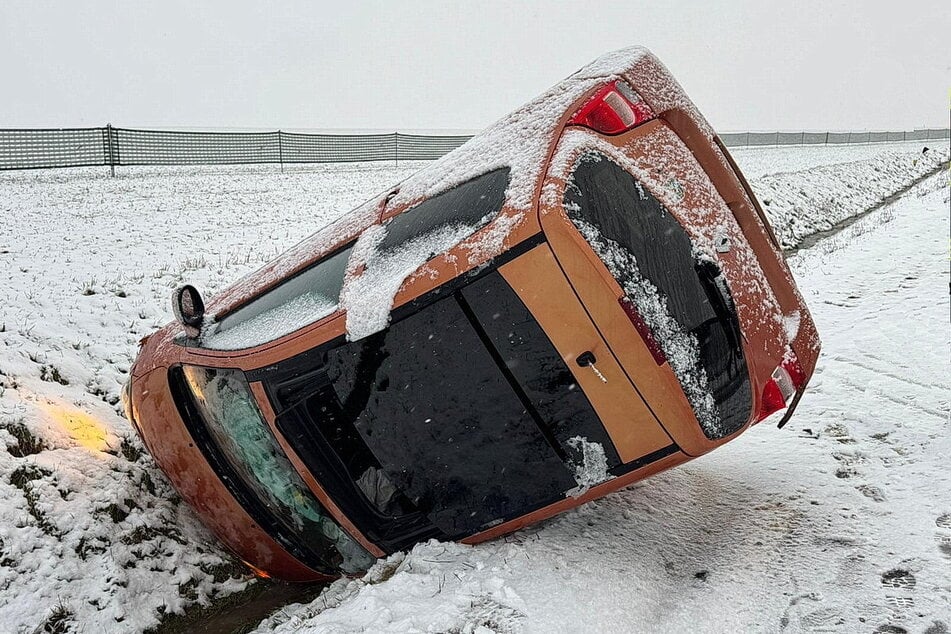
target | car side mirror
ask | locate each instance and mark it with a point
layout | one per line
(189, 309)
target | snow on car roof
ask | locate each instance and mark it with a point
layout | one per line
(519, 141)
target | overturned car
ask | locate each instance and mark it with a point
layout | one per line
(583, 295)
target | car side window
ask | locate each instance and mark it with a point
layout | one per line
(297, 302)
(472, 204)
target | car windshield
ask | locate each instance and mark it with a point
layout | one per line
(245, 443)
(295, 303)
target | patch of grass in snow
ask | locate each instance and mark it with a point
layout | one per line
(219, 572)
(100, 393)
(23, 478)
(228, 569)
(237, 613)
(27, 443)
(51, 374)
(88, 288)
(147, 533)
(4, 560)
(194, 263)
(59, 621)
(116, 512)
(7, 383)
(147, 485)
(132, 451)
(93, 546)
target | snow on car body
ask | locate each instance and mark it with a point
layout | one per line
(581, 296)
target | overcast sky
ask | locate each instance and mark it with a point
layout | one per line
(443, 65)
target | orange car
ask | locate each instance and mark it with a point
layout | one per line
(582, 296)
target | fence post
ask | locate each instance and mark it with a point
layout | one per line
(111, 149)
(396, 145)
(280, 149)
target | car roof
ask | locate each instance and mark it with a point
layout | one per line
(520, 141)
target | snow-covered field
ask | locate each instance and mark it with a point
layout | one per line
(840, 522)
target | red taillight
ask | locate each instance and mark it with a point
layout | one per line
(773, 400)
(643, 330)
(614, 109)
(787, 378)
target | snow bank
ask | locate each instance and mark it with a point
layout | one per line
(393, 595)
(809, 201)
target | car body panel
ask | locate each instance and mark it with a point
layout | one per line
(546, 292)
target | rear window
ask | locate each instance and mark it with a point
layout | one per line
(295, 303)
(681, 295)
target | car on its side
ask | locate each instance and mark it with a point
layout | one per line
(582, 296)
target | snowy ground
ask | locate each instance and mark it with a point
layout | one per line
(800, 529)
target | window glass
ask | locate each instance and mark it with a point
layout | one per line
(445, 423)
(470, 205)
(295, 303)
(683, 297)
(243, 439)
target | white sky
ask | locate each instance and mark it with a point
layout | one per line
(445, 65)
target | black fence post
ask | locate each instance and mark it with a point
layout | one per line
(280, 149)
(396, 147)
(111, 149)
